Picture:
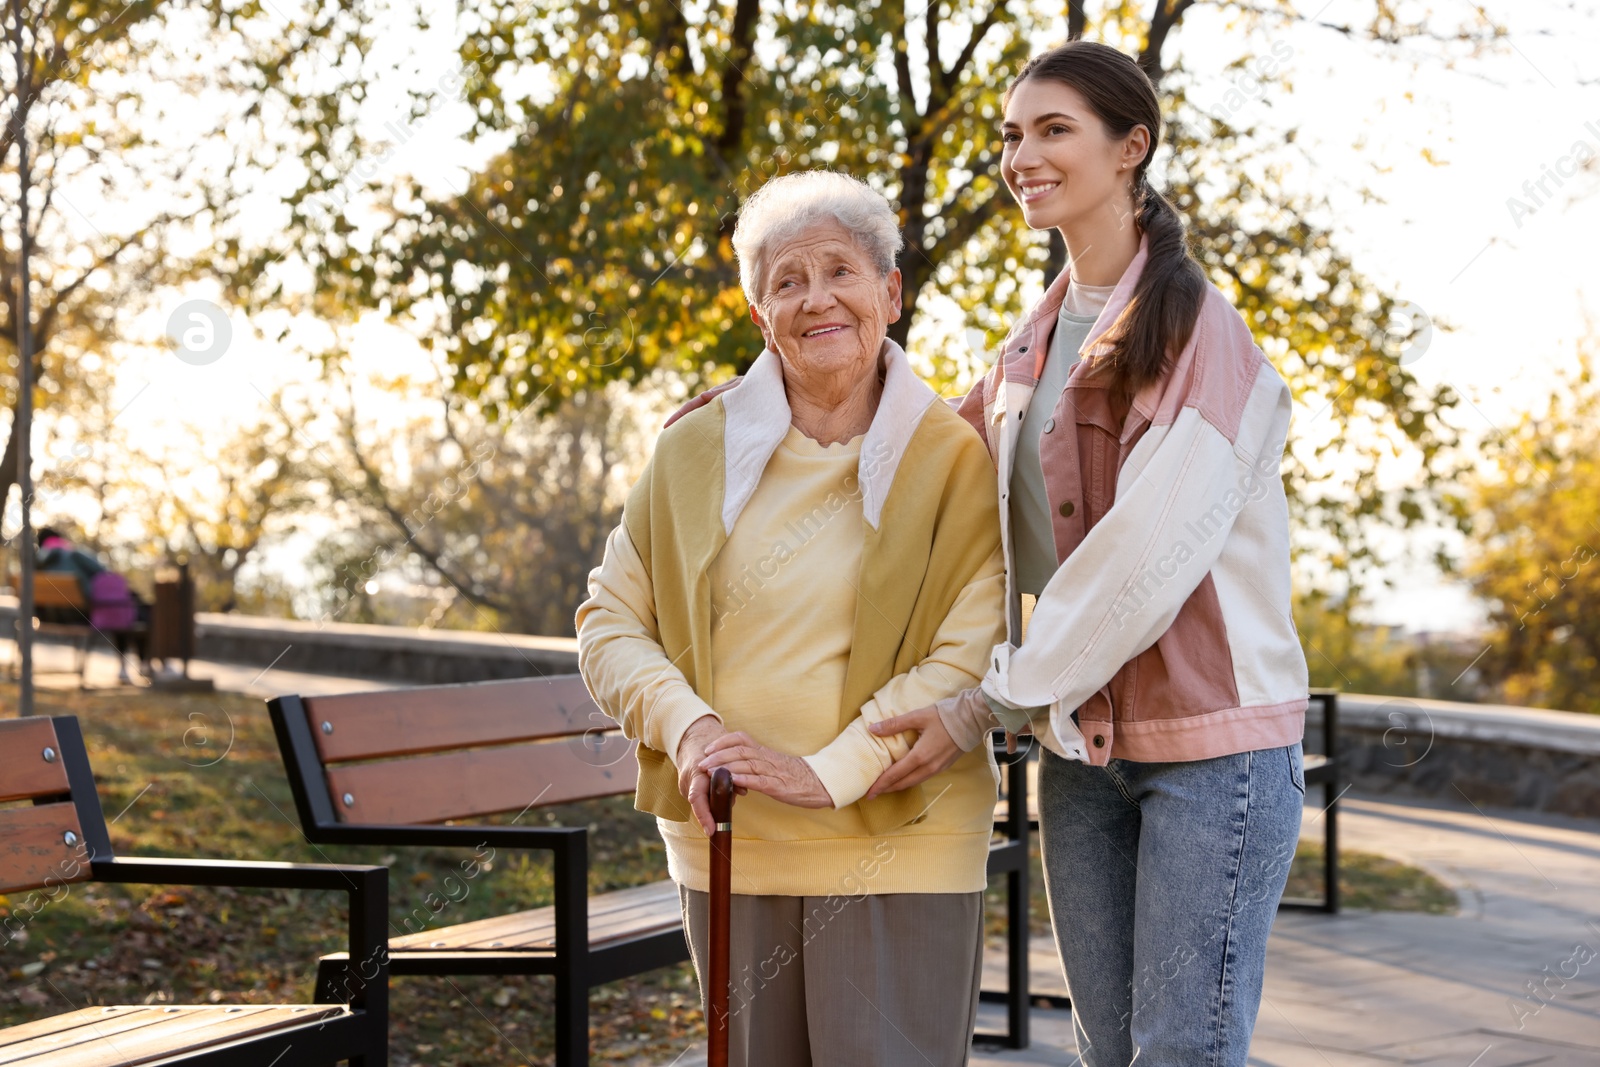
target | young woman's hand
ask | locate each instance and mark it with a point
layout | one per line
(754, 766)
(935, 750)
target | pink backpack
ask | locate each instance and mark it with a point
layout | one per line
(111, 604)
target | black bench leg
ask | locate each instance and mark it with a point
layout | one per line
(1017, 923)
(1330, 847)
(378, 1056)
(572, 1021)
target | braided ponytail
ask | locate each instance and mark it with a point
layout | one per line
(1160, 317)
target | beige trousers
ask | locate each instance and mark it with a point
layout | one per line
(835, 981)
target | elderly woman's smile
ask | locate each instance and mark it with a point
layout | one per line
(824, 306)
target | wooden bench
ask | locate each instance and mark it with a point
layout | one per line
(60, 839)
(393, 767)
(53, 589)
(59, 589)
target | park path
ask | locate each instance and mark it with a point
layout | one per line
(1365, 988)
(53, 663)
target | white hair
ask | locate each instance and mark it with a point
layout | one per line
(785, 206)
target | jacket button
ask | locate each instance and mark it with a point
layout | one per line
(1050, 425)
(1099, 741)
(1067, 509)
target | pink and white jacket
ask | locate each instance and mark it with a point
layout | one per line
(1167, 626)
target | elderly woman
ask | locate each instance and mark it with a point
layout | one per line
(812, 549)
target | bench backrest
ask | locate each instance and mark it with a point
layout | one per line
(49, 841)
(57, 589)
(442, 753)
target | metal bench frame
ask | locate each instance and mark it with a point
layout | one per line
(1322, 769)
(1008, 857)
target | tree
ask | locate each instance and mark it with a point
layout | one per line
(150, 123)
(1356, 657)
(1535, 550)
(505, 522)
(222, 504)
(594, 245)
(215, 504)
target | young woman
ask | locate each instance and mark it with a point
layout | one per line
(1137, 432)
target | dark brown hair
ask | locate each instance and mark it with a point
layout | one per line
(1158, 321)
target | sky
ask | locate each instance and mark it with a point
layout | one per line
(1505, 271)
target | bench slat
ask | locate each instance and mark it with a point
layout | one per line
(80, 1028)
(85, 1043)
(101, 1017)
(441, 717)
(485, 781)
(613, 916)
(33, 848)
(657, 908)
(24, 772)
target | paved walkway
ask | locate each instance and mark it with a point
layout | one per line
(1512, 979)
(53, 664)
(1445, 991)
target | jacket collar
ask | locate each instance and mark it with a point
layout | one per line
(1029, 344)
(757, 417)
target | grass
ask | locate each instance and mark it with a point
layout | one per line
(1371, 882)
(201, 776)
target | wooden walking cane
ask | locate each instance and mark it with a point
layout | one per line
(717, 970)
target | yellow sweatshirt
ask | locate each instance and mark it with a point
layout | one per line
(786, 591)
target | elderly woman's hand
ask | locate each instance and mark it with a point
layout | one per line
(786, 778)
(694, 783)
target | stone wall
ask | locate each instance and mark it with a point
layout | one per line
(384, 653)
(1491, 755)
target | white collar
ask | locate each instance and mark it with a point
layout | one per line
(757, 417)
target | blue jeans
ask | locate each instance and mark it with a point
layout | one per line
(1164, 879)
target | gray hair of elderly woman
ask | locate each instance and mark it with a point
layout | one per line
(786, 206)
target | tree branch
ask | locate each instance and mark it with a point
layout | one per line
(902, 73)
(950, 78)
(956, 237)
(937, 86)
(1162, 21)
(733, 98)
(379, 495)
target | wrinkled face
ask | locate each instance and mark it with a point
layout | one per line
(1058, 160)
(823, 306)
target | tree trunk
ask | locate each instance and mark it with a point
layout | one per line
(8, 462)
(915, 272)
